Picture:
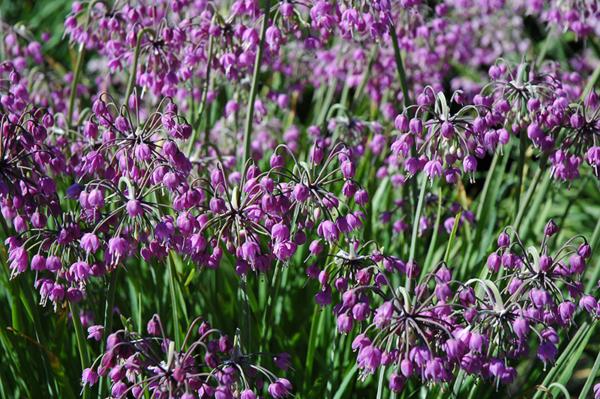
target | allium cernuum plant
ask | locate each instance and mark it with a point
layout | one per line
(243, 199)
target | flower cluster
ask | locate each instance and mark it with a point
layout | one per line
(434, 326)
(206, 365)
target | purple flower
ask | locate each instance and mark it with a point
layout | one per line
(282, 360)
(134, 208)
(588, 303)
(247, 394)
(383, 314)
(433, 168)
(118, 247)
(344, 323)
(89, 377)
(328, 230)
(469, 164)
(396, 383)
(348, 169)
(521, 327)
(95, 198)
(551, 228)
(503, 240)
(369, 358)
(280, 388)
(566, 310)
(301, 192)
(119, 390)
(95, 332)
(89, 242)
(493, 262)
(38, 262)
(80, 270)
(547, 352)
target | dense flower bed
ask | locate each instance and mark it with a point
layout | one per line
(371, 154)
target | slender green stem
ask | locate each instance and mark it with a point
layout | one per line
(110, 304)
(415, 230)
(312, 344)
(365, 78)
(592, 82)
(405, 97)
(203, 101)
(268, 313)
(333, 349)
(520, 169)
(381, 378)
(246, 316)
(174, 307)
(254, 86)
(591, 378)
(399, 65)
(267, 321)
(81, 344)
(583, 330)
(326, 103)
(78, 68)
(596, 270)
(550, 38)
(486, 186)
(134, 65)
(452, 237)
(4, 227)
(436, 227)
(529, 195)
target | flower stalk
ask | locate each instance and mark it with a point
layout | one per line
(254, 84)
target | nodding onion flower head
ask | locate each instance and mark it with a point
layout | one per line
(207, 363)
(560, 121)
(127, 143)
(411, 330)
(448, 142)
(536, 278)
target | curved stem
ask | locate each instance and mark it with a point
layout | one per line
(203, 101)
(136, 57)
(399, 65)
(591, 83)
(405, 95)
(254, 86)
(78, 67)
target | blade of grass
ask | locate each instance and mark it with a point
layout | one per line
(81, 343)
(345, 382)
(591, 378)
